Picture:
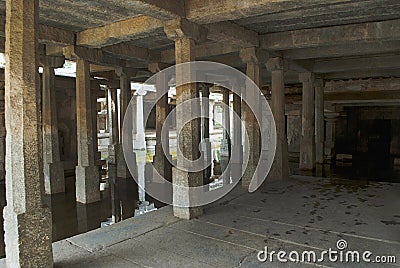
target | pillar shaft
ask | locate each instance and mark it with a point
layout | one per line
(280, 165)
(307, 143)
(27, 223)
(87, 173)
(189, 136)
(319, 121)
(2, 133)
(252, 127)
(206, 144)
(54, 181)
(161, 163)
(225, 144)
(125, 97)
(237, 147)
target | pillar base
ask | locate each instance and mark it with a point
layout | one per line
(182, 196)
(32, 228)
(87, 184)
(54, 181)
(248, 175)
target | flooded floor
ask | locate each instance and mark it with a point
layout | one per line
(300, 214)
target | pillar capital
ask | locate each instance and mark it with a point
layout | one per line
(253, 55)
(155, 67)
(51, 61)
(276, 64)
(122, 71)
(181, 28)
(306, 77)
(319, 81)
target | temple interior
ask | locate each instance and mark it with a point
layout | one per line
(290, 113)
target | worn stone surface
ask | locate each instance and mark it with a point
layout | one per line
(27, 223)
(87, 173)
(184, 34)
(307, 143)
(280, 165)
(54, 181)
(250, 57)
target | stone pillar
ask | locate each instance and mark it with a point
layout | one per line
(205, 143)
(113, 152)
(2, 132)
(237, 147)
(249, 56)
(319, 121)
(53, 169)
(225, 143)
(160, 162)
(307, 143)
(125, 97)
(280, 165)
(184, 33)
(27, 223)
(87, 173)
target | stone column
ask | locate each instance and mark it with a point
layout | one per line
(184, 33)
(237, 147)
(225, 143)
(87, 173)
(307, 143)
(205, 143)
(113, 150)
(319, 121)
(53, 169)
(160, 162)
(280, 165)
(249, 56)
(2, 132)
(27, 223)
(125, 98)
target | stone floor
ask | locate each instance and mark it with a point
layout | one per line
(304, 213)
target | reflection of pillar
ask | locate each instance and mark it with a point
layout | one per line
(280, 165)
(237, 148)
(249, 57)
(225, 143)
(307, 144)
(205, 143)
(27, 223)
(53, 170)
(160, 162)
(319, 121)
(87, 173)
(188, 139)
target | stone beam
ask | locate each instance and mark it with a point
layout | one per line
(120, 31)
(338, 35)
(48, 34)
(369, 96)
(354, 64)
(232, 33)
(202, 51)
(334, 51)
(363, 74)
(130, 52)
(92, 55)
